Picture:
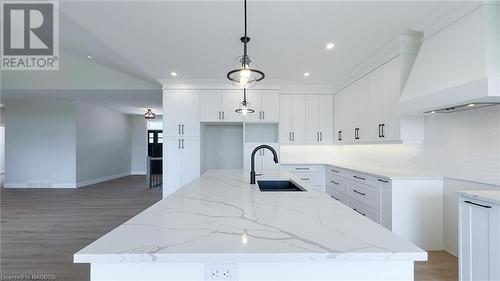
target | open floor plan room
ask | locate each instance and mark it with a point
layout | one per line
(250, 140)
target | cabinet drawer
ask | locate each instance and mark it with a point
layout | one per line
(303, 168)
(336, 171)
(315, 179)
(366, 194)
(364, 210)
(364, 178)
(337, 183)
(338, 196)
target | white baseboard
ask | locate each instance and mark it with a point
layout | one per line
(138, 173)
(103, 179)
(53, 185)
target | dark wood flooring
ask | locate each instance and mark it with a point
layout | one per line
(41, 229)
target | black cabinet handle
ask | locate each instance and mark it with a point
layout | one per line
(379, 130)
(334, 182)
(320, 136)
(472, 203)
(359, 212)
(361, 193)
(359, 178)
(383, 130)
(339, 135)
(381, 180)
(182, 128)
(263, 115)
(334, 171)
(334, 198)
(301, 168)
(305, 179)
(179, 129)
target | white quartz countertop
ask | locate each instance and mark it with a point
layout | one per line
(220, 217)
(492, 196)
(392, 174)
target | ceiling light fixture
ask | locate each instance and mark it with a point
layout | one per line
(330, 46)
(149, 113)
(307, 74)
(244, 109)
(244, 75)
(90, 57)
(471, 105)
(174, 74)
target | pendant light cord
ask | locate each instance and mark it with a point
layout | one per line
(245, 58)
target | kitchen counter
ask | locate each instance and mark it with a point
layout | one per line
(220, 217)
(391, 174)
(491, 196)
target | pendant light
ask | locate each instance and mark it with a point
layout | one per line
(245, 76)
(149, 114)
(244, 109)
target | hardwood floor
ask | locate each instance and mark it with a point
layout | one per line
(41, 229)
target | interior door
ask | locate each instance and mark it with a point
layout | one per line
(172, 165)
(312, 119)
(190, 147)
(326, 119)
(210, 106)
(172, 104)
(190, 113)
(271, 106)
(285, 125)
(231, 100)
(298, 113)
(254, 97)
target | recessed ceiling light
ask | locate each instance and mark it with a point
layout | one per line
(432, 112)
(90, 57)
(174, 74)
(306, 74)
(330, 46)
(471, 104)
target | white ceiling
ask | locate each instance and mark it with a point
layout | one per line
(200, 39)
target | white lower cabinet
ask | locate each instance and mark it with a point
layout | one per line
(411, 208)
(314, 175)
(479, 240)
(181, 162)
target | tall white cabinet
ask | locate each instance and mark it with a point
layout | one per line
(181, 149)
(292, 128)
(220, 105)
(266, 106)
(479, 239)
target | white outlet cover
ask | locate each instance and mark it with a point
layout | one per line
(221, 271)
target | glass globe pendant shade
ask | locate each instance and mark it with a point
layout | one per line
(149, 114)
(244, 108)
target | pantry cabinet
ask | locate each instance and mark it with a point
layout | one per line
(319, 119)
(366, 111)
(266, 106)
(182, 114)
(479, 240)
(181, 162)
(220, 105)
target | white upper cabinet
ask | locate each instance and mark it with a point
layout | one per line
(292, 119)
(366, 111)
(220, 105)
(266, 106)
(182, 113)
(319, 119)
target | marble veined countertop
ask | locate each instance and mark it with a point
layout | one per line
(492, 196)
(220, 217)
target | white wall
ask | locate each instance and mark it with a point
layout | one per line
(138, 144)
(40, 143)
(103, 142)
(221, 146)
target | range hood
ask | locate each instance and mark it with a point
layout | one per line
(457, 67)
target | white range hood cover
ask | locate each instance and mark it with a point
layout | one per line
(457, 65)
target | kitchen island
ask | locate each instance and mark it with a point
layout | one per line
(219, 227)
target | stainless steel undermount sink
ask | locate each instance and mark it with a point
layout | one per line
(278, 186)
